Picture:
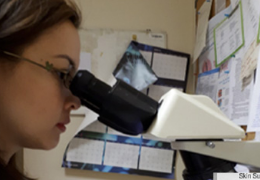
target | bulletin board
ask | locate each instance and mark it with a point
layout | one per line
(233, 84)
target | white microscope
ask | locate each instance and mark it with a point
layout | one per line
(207, 140)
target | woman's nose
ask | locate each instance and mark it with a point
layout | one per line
(76, 105)
(73, 102)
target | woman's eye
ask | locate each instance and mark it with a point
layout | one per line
(61, 75)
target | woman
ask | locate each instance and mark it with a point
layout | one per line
(39, 54)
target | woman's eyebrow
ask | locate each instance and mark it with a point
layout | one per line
(64, 56)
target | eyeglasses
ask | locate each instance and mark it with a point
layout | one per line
(64, 75)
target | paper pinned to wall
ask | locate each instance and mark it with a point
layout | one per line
(207, 57)
(258, 34)
(229, 36)
(239, 96)
(234, 3)
(251, 48)
(251, 21)
(254, 113)
(249, 61)
(203, 18)
(99, 149)
(207, 83)
(223, 88)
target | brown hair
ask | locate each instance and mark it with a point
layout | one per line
(21, 22)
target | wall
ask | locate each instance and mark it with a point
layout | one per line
(176, 17)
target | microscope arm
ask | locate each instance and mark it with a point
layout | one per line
(242, 152)
(196, 127)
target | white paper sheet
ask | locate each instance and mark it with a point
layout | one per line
(251, 21)
(121, 155)
(170, 66)
(234, 3)
(158, 160)
(249, 61)
(229, 36)
(239, 97)
(85, 151)
(207, 57)
(207, 84)
(256, 5)
(203, 18)
(254, 112)
(223, 94)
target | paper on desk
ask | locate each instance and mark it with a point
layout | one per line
(229, 36)
(254, 113)
(207, 57)
(203, 18)
(239, 96)
(85, 64)
(219, 5)
(207, 83)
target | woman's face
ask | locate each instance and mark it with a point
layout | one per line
(34, 104)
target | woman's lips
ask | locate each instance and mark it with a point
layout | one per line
(61, 127)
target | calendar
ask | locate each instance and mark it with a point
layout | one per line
(171, 67)
(100, 148)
